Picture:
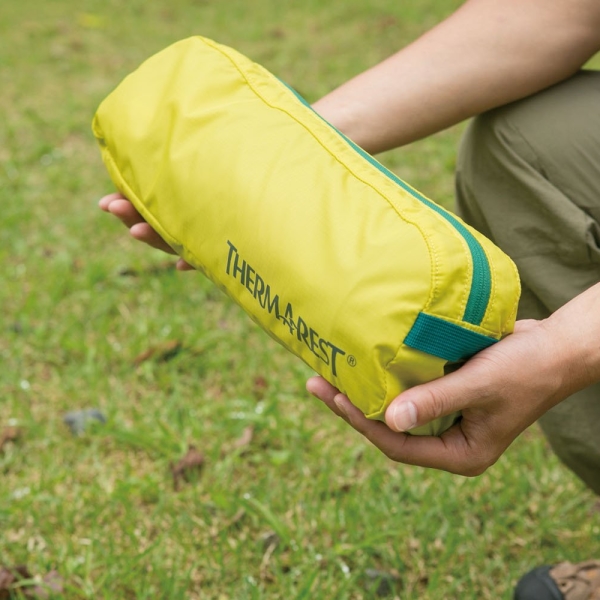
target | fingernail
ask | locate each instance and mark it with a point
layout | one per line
(309, 384)
(404, 416)
(340, 402)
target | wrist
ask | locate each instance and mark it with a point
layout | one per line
(572, 334)
(344, 113)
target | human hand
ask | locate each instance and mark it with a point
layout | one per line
(500, 391)
(117, 205)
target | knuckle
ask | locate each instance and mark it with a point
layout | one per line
(473, 470)
(470, 458)
(436, 401)
(397, 452)
(393, 455)
(478, 465)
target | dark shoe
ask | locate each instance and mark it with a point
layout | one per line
(565, 581)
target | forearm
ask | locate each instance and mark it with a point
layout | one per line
(486, 54)
(573, 336)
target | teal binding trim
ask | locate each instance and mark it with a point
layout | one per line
(445, 339)
(481, 282)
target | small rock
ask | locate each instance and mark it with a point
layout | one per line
(78, 420)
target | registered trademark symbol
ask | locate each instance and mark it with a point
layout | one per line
(351, 360)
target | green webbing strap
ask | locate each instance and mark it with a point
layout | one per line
(445, 339)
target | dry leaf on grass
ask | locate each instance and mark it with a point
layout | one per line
(52, 582)
(192, 462)
(160, 353)
(277, 33)
(245, 439)
(10, 434)
(269, 541)
(239, 515)
(9, 576)
(339, 489)
(241, 443)
(259, 387)
(215, 532)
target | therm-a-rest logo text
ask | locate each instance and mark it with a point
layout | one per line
(261, 291)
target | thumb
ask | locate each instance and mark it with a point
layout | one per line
(424, 403)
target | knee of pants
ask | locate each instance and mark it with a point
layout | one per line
(527, 178)
(480, 151)
(490, 151)
(547, 142)
(496, 164)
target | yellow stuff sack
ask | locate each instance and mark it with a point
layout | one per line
(373, 285)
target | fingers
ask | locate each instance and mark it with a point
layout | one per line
(125, 212)
(325, 392)
(181, 265)
(117, 205)
(106, 200)
(142, 232)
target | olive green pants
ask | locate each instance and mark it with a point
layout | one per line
(528, 177)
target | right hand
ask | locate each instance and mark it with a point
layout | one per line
(118, 205)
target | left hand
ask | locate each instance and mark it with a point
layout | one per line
(119, 206)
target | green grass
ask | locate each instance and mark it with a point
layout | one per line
(101, 508)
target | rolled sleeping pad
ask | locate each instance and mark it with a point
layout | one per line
(373, 285)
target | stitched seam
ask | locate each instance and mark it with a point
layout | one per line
(513, 313)
(493, 291)
(140, 206)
